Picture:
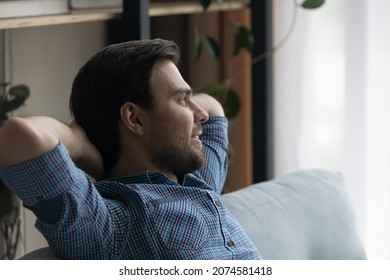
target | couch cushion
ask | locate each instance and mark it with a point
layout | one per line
(304, 215)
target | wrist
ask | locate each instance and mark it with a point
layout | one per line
(85, 154)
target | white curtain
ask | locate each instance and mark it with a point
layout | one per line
(332, 103)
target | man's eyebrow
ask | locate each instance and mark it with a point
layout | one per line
(187, 91)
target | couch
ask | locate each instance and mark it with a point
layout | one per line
(304, 215)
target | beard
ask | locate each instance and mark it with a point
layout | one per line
(176, 157)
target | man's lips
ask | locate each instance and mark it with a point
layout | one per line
(195, 140)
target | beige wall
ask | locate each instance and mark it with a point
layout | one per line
(47, 59)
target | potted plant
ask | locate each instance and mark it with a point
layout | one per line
(11, 98)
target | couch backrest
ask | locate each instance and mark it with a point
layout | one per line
(304, 215)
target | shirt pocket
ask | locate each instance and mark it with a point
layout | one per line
(180, 224)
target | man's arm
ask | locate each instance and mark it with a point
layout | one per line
(215, 142)
(49, 184)
(23, 139)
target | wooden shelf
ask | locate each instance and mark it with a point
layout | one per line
(77, 16)
(72, 17)
(180, 8)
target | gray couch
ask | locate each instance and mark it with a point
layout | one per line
(304, 215)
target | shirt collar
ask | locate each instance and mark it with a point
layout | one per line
(144, 177)
(157, 178)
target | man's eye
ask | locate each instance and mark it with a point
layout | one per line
(183, 100)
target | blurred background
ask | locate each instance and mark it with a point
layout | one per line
(332, 104)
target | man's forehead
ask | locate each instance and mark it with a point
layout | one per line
(166, 76)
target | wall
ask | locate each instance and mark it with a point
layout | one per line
(47, 59)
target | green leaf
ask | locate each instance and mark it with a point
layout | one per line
(18, 95)
(211, 46)
(213, 90)
(312, 4)
(198, 48)
(20, 91)
(243, 39)
(204, 3)
(232, 104)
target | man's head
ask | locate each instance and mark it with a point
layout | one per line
(119, 73)
(126, 75)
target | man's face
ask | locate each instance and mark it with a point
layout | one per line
(175, 122)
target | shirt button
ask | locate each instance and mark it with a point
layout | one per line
(218, 202)
(230, 243)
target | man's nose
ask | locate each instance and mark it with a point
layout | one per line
(200, 114)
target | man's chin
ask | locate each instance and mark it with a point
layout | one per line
(201, 161)
(195, 164)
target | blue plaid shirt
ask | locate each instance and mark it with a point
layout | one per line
(140, 216)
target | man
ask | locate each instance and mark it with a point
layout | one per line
(157, 150)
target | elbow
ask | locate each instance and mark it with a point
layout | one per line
(19, 142)
(12, 138)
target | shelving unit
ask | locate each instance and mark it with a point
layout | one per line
(77, 16)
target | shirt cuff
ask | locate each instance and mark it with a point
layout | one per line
(216, 130)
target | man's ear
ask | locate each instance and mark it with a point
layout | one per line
(132, 117)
